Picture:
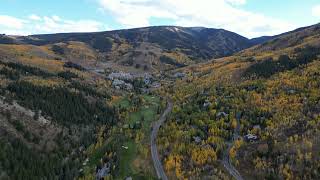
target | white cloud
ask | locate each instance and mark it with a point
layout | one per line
(135, 13)
(236, 2)
(225, 14)
(55, 24)
(34, 17)
(56, 18)
(11, 22)
(40, 25)
(316, 11)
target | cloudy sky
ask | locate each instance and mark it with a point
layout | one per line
(250, 18)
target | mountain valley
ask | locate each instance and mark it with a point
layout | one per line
(86, 105)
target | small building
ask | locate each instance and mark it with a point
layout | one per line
(103, 172)
(125, 147)
(117, 82)
(120, 84)
(206, 104)
(179, 75)
(197, 139)
(85, 162)
(147, 81)
(291, 91)
(145, 90)
(155, 85)
(147, 78)
(251, 137)
(257, 127)
(101, 71)
(222, 114)
(120, 75)
(128, 86)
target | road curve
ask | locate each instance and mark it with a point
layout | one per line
(226, 158)
(154, 151)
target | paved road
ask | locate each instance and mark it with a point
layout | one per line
(226, 159)
(154, 151)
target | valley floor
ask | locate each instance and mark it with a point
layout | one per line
(253, 115)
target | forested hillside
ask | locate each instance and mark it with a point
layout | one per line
(263, 103)
(46, 116)
(59, 120)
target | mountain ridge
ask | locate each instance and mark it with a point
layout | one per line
(145, 47)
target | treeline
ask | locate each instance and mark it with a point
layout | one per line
(269, 67)
(14, 71)
(26, 70)
(10, 74)
(67, 75)
(62, 105)
(87, 90)
(57, 49)
(168, 60)
(74, 66)
(17, 161)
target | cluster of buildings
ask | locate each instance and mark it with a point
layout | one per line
(120, 84)
(120, 75)
(120, 80)
(125, 81)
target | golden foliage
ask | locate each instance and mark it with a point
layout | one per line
(201, 156)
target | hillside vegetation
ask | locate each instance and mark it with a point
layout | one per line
(62, 120)
(141, 49)
(270, 91)
(46, 116)
(82, 105)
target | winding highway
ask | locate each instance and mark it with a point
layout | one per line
(154, 151)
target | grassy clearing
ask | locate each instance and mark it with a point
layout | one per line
(132, 145)
(137, 154)
(126, 157)
(123, 103)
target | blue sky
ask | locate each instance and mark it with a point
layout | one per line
(251, 18)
